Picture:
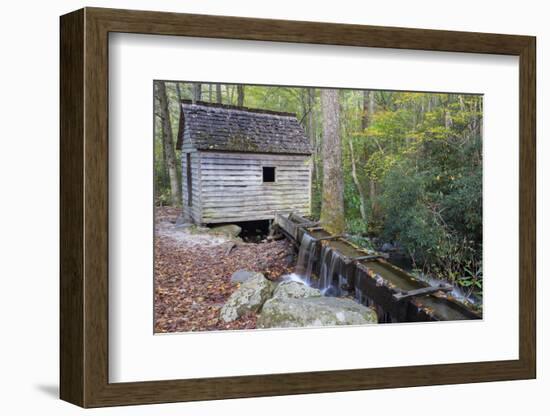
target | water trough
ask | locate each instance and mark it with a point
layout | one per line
(339, 268)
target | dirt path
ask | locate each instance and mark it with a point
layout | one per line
(192, 275)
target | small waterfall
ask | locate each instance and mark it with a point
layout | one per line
(337, 269)
(304, 249)
(355, 288)
(311, 260)
(306, 257)
(326, 254)
(358, 296)
(332, 264)
(293, 277)
(335, 277)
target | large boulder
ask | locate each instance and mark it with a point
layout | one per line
(241, 276)
(296, 290)
(314, 311)
(249, 297)
(229, 230)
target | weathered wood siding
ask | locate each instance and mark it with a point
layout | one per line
(195, 208)
(232, 187)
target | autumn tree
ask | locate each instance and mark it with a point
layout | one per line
(332, 205)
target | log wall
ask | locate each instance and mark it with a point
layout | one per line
(194, 210)
(232, 188)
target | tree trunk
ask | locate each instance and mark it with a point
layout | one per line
(368, 108)
(368, 113)
(358, 184)
(240, 95)
(479, 117)
(371, 105)
(178, 93)
(448, 119)
(168, 144)
(332, 208)
(197, 87)
(163, 181)
(375, 209)
(219, 93)
(311, 130)
(231, 94)
(461, 102)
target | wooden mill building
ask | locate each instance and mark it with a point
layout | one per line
(242, 164)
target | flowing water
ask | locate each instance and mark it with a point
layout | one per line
(306, 258)
(334, 277)
(456, 293)
(293, 277)
(330, 263)
(311, 261)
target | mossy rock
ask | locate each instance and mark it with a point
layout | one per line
(296, 290)
(249, 297)
(314, 312)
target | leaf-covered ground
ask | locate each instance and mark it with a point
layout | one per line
(193, 271)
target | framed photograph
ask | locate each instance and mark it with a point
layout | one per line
(256, 207)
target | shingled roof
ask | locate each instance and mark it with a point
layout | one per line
(240, 129)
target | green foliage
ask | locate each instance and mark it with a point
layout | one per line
(407, 218)
(362, 241)
(424, 153)
(433, 234)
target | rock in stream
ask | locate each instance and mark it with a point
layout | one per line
(314, 311)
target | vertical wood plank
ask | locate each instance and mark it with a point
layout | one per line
(71, 208)
(528, 209)
(96, 209)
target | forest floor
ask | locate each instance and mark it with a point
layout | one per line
(193, 272)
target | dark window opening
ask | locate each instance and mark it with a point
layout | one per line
(268, 174)
(189, 180)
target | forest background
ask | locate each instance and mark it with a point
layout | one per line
(409, 166)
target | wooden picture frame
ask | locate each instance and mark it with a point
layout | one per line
(84, 207)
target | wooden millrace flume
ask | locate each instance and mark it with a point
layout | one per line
(338, 267)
